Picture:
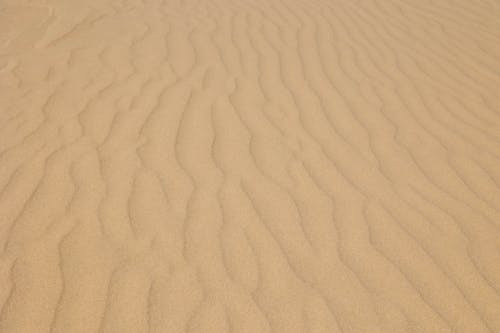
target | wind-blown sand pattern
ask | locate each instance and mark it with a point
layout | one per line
(249, 166)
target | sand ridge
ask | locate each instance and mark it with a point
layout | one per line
(249, 166)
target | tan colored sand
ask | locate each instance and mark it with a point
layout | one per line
(249, 166)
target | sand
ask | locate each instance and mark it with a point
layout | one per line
(249, 166)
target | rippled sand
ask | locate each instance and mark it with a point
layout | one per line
(249, 166)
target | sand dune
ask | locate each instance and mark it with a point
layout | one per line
(249, 166)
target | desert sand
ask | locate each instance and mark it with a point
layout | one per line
(249, 166)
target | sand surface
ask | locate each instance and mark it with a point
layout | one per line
(249, 166)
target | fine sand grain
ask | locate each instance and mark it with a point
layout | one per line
(249, 166)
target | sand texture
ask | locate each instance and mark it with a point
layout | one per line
(251, 166)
